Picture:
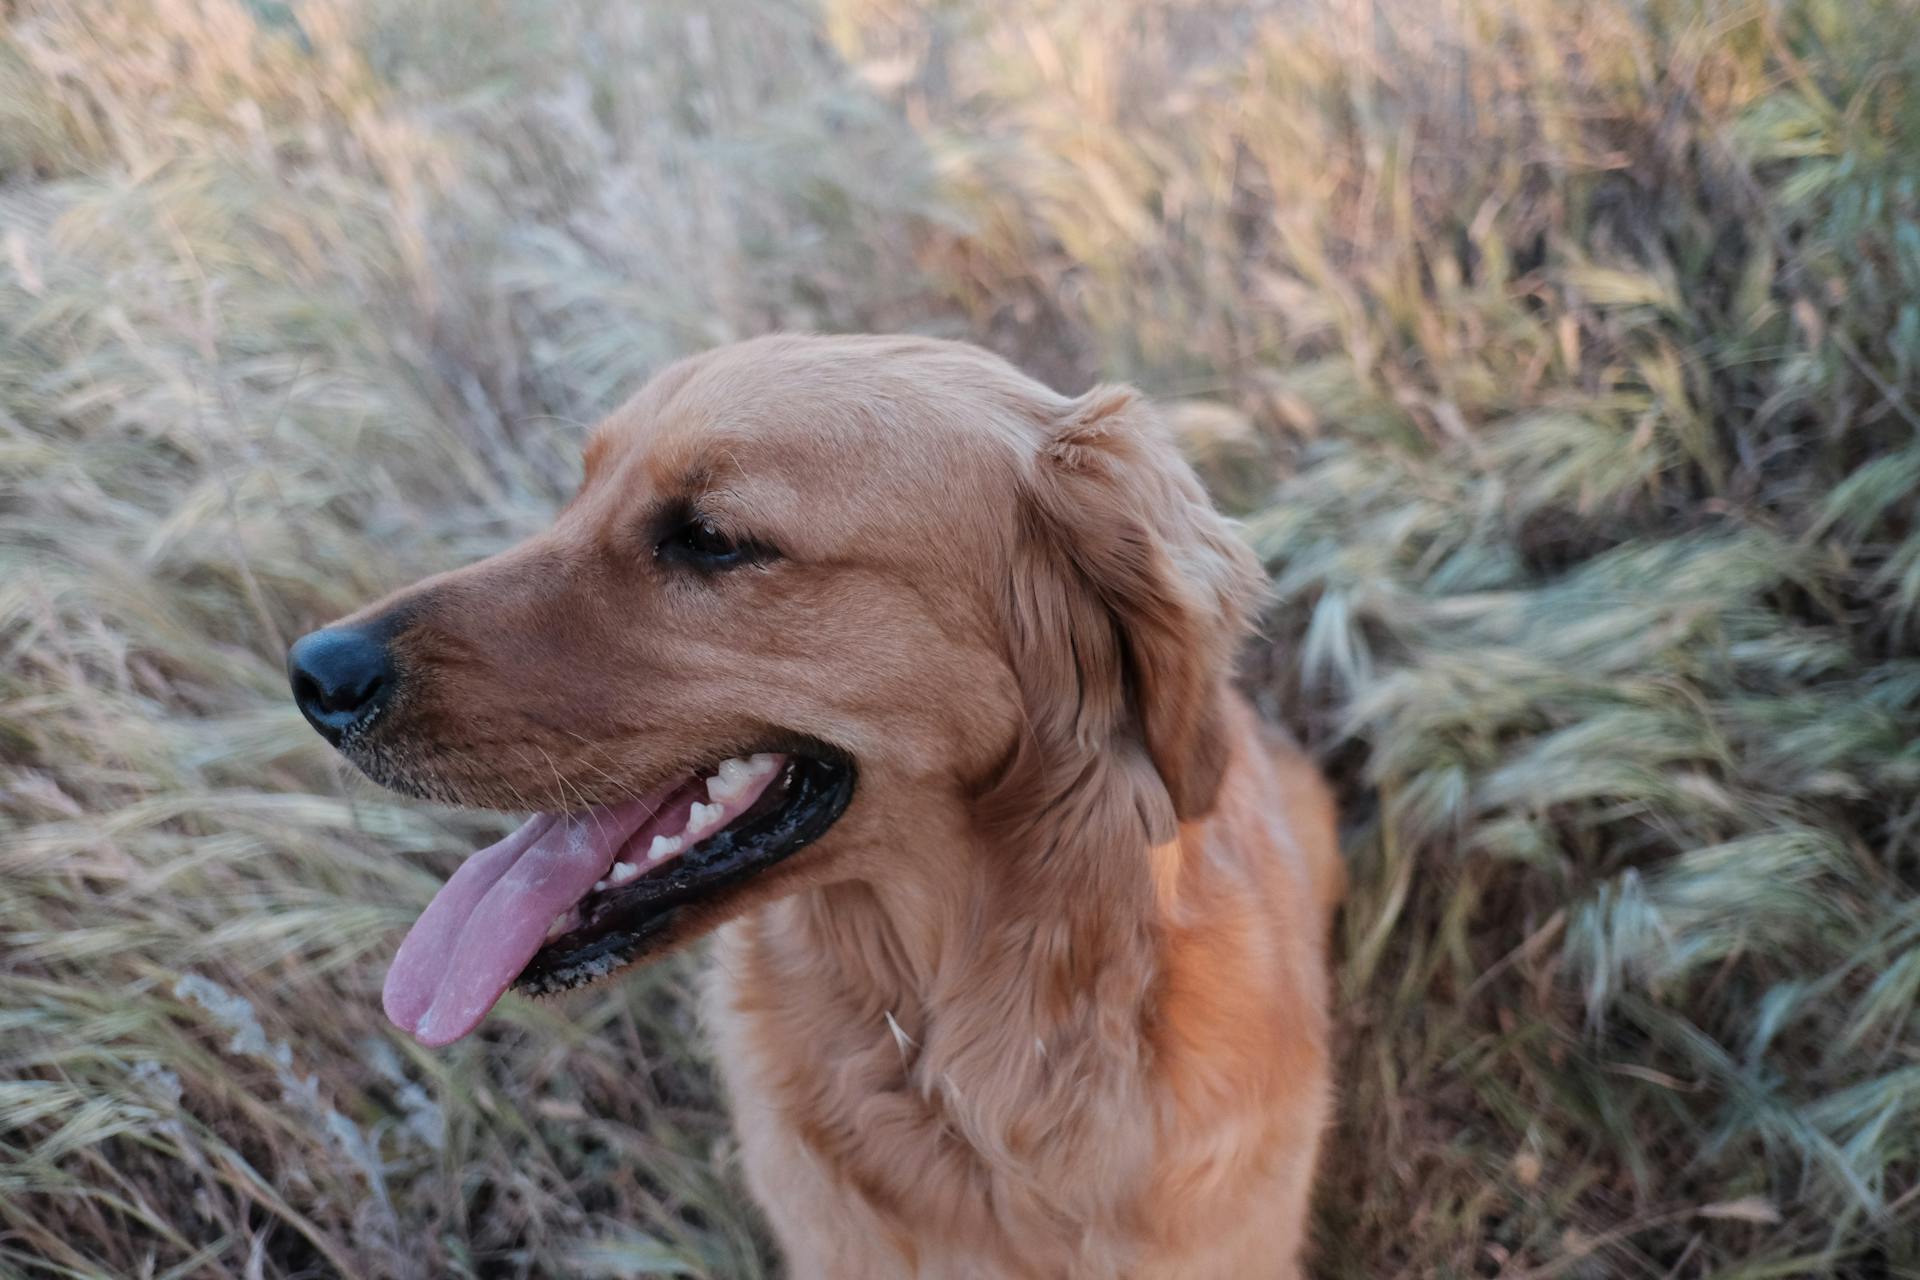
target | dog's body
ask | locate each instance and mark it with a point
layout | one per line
(1022, 971)
(955, 1080)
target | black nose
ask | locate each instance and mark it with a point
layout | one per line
(340, 677)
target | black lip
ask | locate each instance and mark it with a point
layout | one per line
(818, 790)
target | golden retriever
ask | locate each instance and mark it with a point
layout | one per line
(911, 677)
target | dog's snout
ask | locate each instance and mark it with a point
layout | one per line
(341, 676)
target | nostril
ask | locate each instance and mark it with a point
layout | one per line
(307, 691)
(360, 695)
(349, 696)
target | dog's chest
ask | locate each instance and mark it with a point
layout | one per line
(982, 1145)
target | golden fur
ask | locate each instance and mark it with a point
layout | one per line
(1050, 999)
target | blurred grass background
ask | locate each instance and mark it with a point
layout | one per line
(1561, 357)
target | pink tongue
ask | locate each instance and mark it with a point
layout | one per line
(486, 922)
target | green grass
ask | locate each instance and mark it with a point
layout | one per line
(1561, 358)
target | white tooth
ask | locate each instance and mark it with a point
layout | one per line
(730, 779)
(703, 818)
(663, 847)
(600, 886)
(623, 872)
(763, 764)
(561, 923)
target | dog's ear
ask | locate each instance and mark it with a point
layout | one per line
(1130, 596)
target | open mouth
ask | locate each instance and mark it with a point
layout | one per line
(572, 897)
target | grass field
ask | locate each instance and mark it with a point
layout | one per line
(1562, 358)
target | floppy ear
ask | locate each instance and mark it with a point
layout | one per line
(1130, 596)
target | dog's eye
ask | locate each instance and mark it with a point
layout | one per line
(701, 544)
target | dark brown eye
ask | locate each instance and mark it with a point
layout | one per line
(700, 544)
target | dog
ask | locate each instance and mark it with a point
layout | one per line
(910, 680)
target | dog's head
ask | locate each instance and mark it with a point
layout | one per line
(812, 596)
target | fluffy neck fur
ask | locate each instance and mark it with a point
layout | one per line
(980, 1019)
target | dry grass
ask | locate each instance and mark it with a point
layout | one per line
(1559, 356)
